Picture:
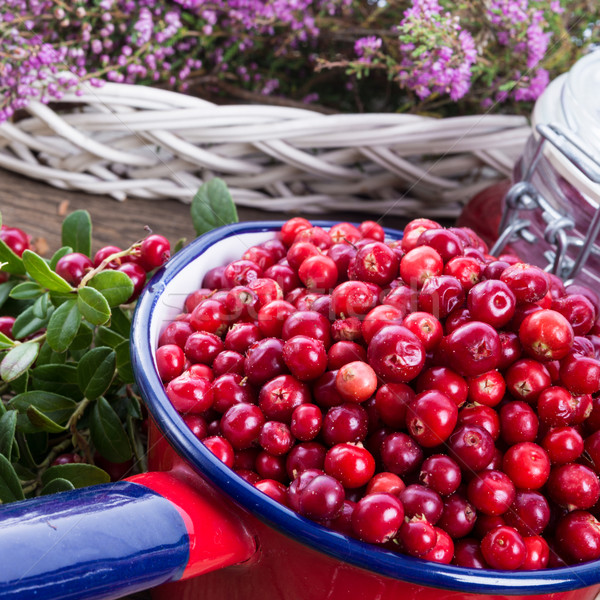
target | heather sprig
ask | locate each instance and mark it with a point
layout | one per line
(418, 55)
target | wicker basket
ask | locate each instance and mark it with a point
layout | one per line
(135, 141)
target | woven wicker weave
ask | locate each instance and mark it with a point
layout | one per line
(136, 141)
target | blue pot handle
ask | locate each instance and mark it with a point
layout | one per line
(110, 540)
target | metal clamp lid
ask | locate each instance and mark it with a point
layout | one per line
(523, 196)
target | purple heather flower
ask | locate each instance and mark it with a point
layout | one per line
(367, 46)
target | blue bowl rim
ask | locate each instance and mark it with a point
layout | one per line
(359, 554)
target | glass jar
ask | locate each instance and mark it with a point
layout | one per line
(550, 215)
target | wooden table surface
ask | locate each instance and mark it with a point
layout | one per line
(39, 209)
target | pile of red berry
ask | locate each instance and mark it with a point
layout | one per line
(419, 394)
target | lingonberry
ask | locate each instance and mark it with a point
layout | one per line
(272, 316)
(580, 374)
(274, 489)
(420, 263)
(504, 548)
(240, 336)
(529, 513)
(446, 243)
(518, 422)
(431, 418)
(291, 228)
(441, 474)
(66, 459)
(241, 303)
(241, 272)
(211, 316)
(241, 424)
(443, 551)
(203, 347)
(276, 438)
(396, 354)
(356, 381)
(325, 392)
(377, 517)
(269, 466)
(440, 295)
(176, 332)
(285, 277)
(414, 229)
(352, 465)
(346, 330)
(466, 269)
(379, 317)
(260, 256)
(342, 523)
(221, 448)
(491, 492)
(573, 486)
(345, 232)
(305, 357)
(391, 401)
(538, 553)
(376, 263)
(6, 325)
(372, 230)
(315, 235)
(155, 251)
(266, 290)
(472, 447)
(400, 454)
(190, 394)
(344, 352)
(546, 335)
(264, 361)
(201, 371)
(420, 500)
(318, 272)
(229, 389)
(467, 553)
(345, 423)
(73, 267)
(316, 495)
(492, 302)
(555, 406)
(169, 361)
(403, 297)
(445, 380)
(481, 415)
(458, 516)
(426, 327)
(385, 482)
(309, 323)
(228, 361)
(578, 310)
(308, 455)
(473, 348)
(486, 523)
(306, 422)
(104, 253)
(527, 282)
(563, 445)
(526, 379)
(417, 536)
(351, 298)
(16, 239)
(527, 465)
(578, 535)
(281, 395)
(487, 389)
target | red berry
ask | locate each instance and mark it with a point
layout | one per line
(73, 267)
(377, 518)
(504, 548)
(154, 252)
(353, 466)
(356, 381)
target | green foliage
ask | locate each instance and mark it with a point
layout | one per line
(212, 207)
(66, 380)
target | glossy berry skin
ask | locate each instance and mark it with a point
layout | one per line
(137, 276)
(445, 380)
(529, 513)
(351, 298)
(492, 302)
(527, 465)
(308, 323)
(487, 389)
(418, 264)
(154, 252)
(431, 418)
(378, 318)
(473, 349)
(73, 267)
(316, 495)
(377, 518)
(563, 445)
(280, 396)
(573, 486)
(6, 325)
(203, 347)
(440, 295)
(420, 500)
(306, 422)
(467, 553)
(400, 454)
(318, 273)
(446, 243)
(527, 282)
(241, 425)
(170, 360)
(351, 465)
(417, 536)
(221, 448)
(526, 379)
(580, 374)
(356, 381)
(305, 357)
(345, 423)
(190, 394)
(518, 422)
(443, 551)
(376, 263)
(472, 447)
(16, 239)
(578, 535)
(546, 335)
(426, 327)
(104, 253)
(391, 402)
(491, 492)
(396, 354)
(441, 474)
(503, 548)
(458, 516)
(276, 438)
(264, 361)
(385, 482)
(229, 389)
(291, 228)
(344, 352)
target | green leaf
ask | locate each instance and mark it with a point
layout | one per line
(5, 342)
(120, 322)
(59, 254)
(54, 406)
(26, 324)
(212, 207)
(58, 378)
(8, 427)
(18, 360)
(115, 286)
(14, 264)
(108, 434)
(95, 371)
(47, 356)
(5, 290)
(124, 367)
(56, 486)
(42, 422)
(84, 337)
(10, 486)
(108, 337)
(77, 232)
(38, 269)
(63, 326)
(41, 306)
(28, 290)
(93, 306)
(79, 474)
(179, 245)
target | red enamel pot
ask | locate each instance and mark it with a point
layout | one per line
(191, 529)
